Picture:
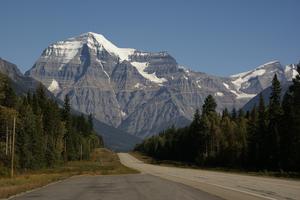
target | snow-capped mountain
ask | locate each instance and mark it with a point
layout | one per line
(139, 92)
(249, 84)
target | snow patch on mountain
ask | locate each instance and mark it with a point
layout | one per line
(219, 94)
(226, 85)
(141, 66)
(65, 50)
(123, 114)
(103, 69)
(242, 95)
(260, 77)
(246, 77)
(295, 73)
(138, 85)
(53, 86)
(291, 72)
(198, 83)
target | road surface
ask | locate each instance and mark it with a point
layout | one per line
(119, 187)
(226, 185)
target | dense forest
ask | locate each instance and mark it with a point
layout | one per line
(45, 134)
(265, 138)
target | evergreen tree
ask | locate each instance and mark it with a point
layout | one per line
(194, 139)
(90, 121)
(253, 146)
(233, 114)
(41, 96)
(25, 133)
(7, 95)
(40, 130)
(261, 137)
(66, 112)
(208, 130)
(275, 117)
(209, 105)
(225, 113)
(290, 133)
(242, 137)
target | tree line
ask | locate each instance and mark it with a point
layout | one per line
(265, 138)
(46, 134)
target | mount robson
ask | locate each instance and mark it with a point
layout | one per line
(134, 94)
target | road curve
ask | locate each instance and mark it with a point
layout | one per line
(226, 185)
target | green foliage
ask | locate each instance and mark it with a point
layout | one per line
(7, 95)
(46, 135)
(267, 138)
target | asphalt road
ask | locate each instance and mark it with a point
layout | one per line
(122, 187)
(226, 185)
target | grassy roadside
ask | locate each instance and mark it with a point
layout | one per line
(170, 163)
(103, 162)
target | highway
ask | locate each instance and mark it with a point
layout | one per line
(163, 183)
(116, 187)
(226, 185)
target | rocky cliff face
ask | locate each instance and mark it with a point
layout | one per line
(21, 84)
(139, 92)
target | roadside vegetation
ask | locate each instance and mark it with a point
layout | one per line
(42, 142)
(265, 139)
(102, 162)
(36, 133)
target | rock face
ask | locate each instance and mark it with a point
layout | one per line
(20, 83)
(139, 92)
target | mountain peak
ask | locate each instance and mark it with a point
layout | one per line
(260, 69)
(102, 42)
(271, 63)
(67, 49)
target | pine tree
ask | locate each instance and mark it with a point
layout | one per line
(227, 142)
(70, 136)
(8, 97)
(41, 96)
(225, 113)
(194, 138)
(91, 122)
(290, 133)
(287, 138)
(66, 112)
(25, 133)
(233, 114)
(296, 126)
(253, 147)
(242, 137)
(209, 105)
(260, 136)
(208, 130)
(275, 117)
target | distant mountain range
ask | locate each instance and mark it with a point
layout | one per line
(141, 93)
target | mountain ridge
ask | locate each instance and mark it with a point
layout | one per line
(136, 91)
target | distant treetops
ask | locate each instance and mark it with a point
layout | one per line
(265, 138)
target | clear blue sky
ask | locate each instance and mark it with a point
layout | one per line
(219, 37)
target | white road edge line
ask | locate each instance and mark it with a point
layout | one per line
(224, 187)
